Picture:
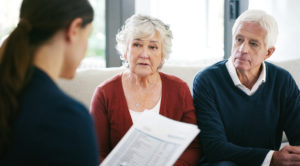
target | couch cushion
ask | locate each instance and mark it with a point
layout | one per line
(293, 66)
(83, 85)
(85, 81)
(186, 73)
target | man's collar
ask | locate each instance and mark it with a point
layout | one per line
(232, 72)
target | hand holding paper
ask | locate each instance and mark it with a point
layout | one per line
(153, 140)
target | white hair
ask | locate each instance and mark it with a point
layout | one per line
(139, 26)
(266, 21)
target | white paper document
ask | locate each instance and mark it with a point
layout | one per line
(153, 141)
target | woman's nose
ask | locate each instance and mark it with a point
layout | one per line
(144, 53)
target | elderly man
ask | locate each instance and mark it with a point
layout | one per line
(244, 104)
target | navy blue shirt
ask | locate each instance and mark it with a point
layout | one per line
(240, 128)
(51, 128)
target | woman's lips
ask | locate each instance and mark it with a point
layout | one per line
(143, 64)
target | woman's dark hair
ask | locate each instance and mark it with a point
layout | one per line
(39, 21)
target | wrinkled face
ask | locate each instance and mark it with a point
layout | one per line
(144, 55)
(249, 49)
(76, 52)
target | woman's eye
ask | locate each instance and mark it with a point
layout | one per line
(153, 47)
(136, 44)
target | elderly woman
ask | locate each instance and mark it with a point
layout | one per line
(144, 43)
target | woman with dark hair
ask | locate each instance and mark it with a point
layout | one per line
(40, 124)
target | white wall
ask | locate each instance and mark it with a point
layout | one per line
(287, 14)
(197, 27)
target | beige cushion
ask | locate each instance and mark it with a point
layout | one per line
(85, 82)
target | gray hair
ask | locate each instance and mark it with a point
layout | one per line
(266, 21)
(138, 26)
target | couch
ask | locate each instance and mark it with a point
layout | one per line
(86, 80)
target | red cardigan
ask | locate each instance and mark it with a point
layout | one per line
(112, 118)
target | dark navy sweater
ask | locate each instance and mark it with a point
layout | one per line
(240, 128)
(51, 128)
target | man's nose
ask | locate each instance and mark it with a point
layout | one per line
(244, 48)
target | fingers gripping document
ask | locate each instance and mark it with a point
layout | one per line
(153, 141)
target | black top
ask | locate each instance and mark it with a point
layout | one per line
(51, 128)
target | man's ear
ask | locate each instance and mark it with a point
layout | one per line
(73, 29)
(270, 52)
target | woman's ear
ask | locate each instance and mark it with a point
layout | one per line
(125, 54)
(2, 47)
(73, 29)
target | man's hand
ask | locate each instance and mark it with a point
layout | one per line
(289, 155)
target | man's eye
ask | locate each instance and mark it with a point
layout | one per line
(254, 44)
(238, 39)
